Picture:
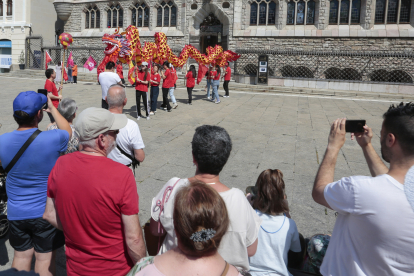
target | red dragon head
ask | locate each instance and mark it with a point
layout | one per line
(113, 44)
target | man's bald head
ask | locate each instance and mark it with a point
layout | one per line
(116, 96)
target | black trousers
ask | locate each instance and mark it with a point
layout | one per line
(226, 87)
(165, 102)
(75, 79)
(138, 95)
(190, 94)
(105, 104)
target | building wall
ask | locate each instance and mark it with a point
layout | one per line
(29, 17)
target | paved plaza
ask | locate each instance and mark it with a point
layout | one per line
(287, 132)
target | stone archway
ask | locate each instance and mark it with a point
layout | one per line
(206, 11)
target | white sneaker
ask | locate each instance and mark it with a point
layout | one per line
(148, 117)
(218, 102)
(138, 118)
(208, 98)
(175, 106)
(151, 113)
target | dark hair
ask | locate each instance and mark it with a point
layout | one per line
(211, 148)
(270, 194)
(23, 119)
(146, 73)
(59, 63)
(192, 69)
(166, 63)
(218, 69)
(198, 207)
(49, 73)
(110, 65)
(399, 120)
(158, 66)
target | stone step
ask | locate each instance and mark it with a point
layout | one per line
(84, 77)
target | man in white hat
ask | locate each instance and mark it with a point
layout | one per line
(94, 200)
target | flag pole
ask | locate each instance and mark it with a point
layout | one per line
(63, 68)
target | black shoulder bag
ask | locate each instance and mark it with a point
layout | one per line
(134, 162)
(17, 157)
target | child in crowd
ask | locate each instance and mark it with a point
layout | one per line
(191, 74)
(278, 234)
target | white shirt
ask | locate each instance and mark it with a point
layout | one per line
(129, 139)
(271, 257)
(243, 229)
(106, 79)
(374, 230)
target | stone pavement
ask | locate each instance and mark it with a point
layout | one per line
(287, 132)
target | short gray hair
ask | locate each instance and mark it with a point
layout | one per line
(92, 142)
(115, 99)
(67, 108)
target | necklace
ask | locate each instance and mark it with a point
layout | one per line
(277, 229)
(90, 151)
(206, 183)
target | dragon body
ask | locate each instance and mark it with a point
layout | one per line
(126, 47)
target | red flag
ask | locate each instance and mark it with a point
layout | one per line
(65, 76)
(70, 60)
(48, 59)
(90, 63)
(202, 70)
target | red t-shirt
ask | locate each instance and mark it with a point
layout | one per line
(190, 79)
(91, 193)
(212, 74)
(155, 77)
(227, 76)
(175, 77)
(215, 76)
(142, 86)
(169, 79)
(51, 87)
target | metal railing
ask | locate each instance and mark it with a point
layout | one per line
(359, 66)
(35, 54)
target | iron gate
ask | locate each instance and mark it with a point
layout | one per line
(34, 52)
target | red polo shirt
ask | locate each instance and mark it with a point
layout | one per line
(190, 79)
(51, 87)
(227, 76)
(168, 81)
(142, 86)
(155, 77)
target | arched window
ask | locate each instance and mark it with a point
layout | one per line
(140, 15)
(301, 12)
(226, 5)
(9, 7)
(262, 12)
(344, 12)
(386, 11)
(1, 7)
(92, 18)
(115, 16)
(194, 6)
(167, 15)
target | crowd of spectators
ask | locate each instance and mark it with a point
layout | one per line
(74, 185)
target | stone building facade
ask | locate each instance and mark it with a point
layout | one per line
(302, 25)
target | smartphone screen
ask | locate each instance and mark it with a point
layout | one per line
(354, 126)
(44, 92)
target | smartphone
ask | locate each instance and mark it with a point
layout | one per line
(355, 126)
(44, 92)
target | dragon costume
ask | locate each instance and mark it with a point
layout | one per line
(126, 47)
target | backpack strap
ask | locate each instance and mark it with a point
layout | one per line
(134, 163)
(21, 150)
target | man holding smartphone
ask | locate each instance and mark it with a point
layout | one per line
(27, 181)
(374, 230)
(50, 86)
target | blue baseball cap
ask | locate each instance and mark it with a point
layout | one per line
(29, 102)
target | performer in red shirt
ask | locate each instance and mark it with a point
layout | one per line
(50, 86)
(191, 74)
(215, 75)
(227, 76)
(120, 72)
(155, 89)
(166, 84)
(141, 88)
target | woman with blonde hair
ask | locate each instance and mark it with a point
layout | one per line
(200, 221)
